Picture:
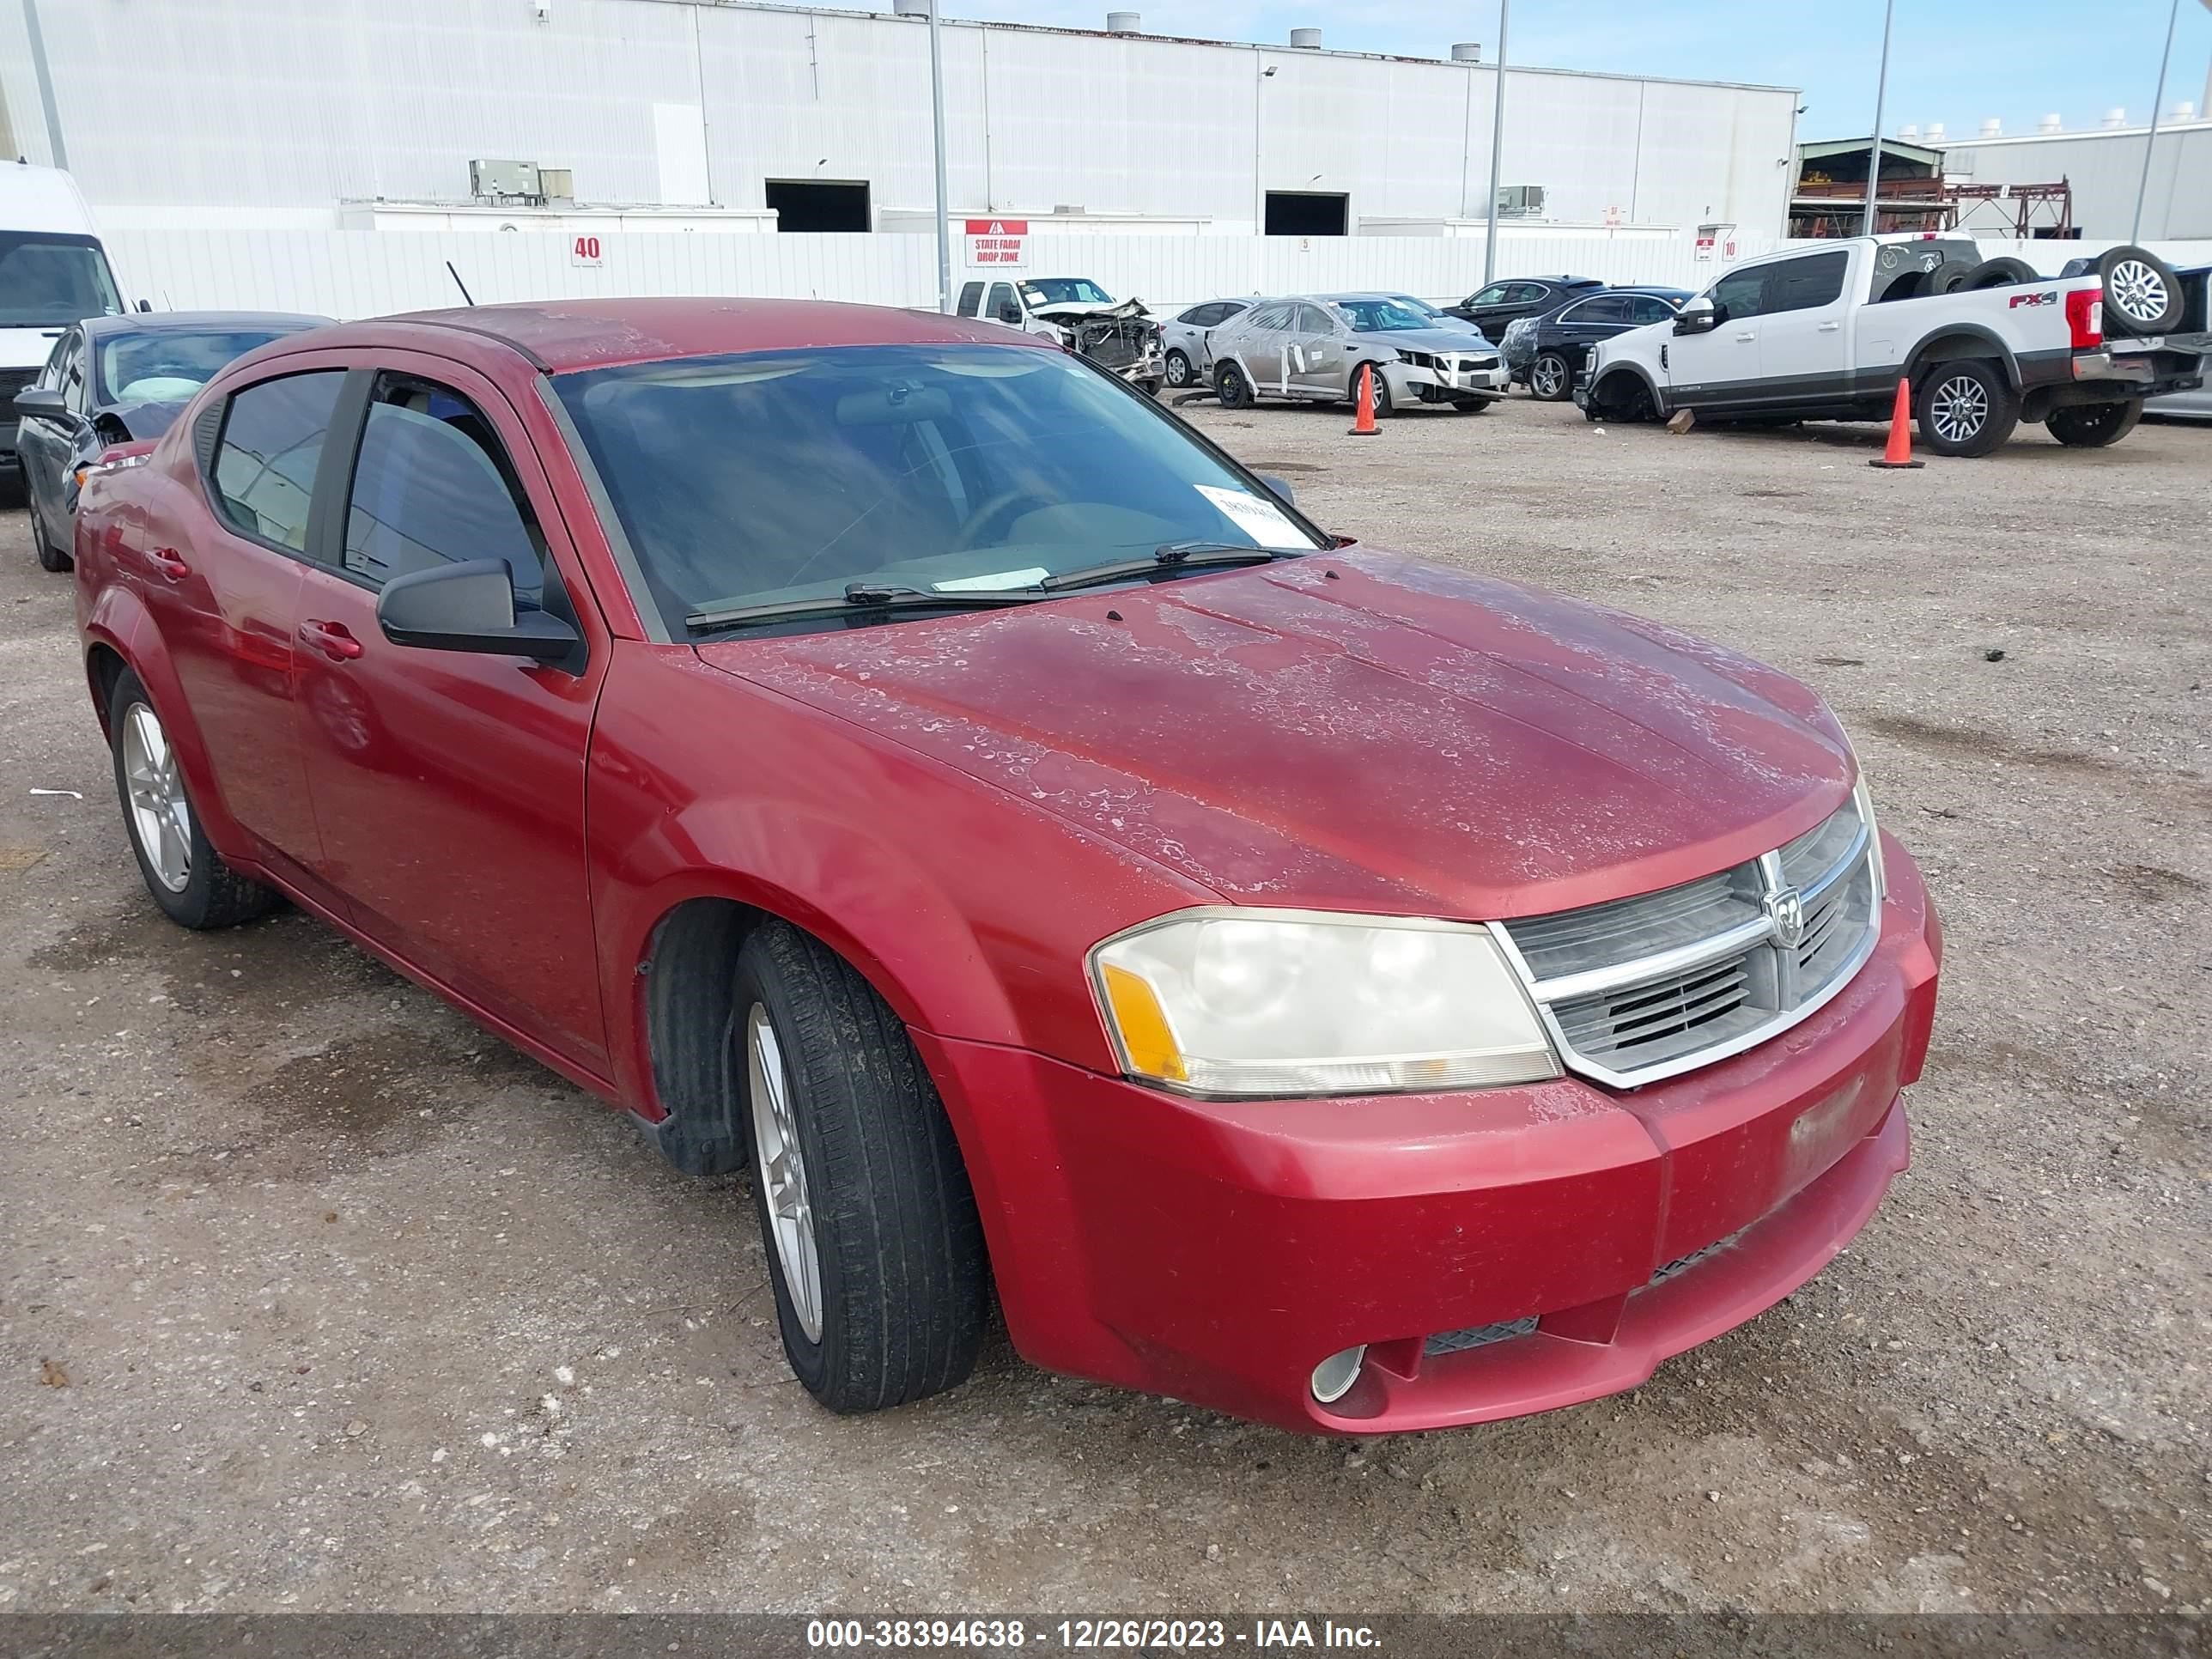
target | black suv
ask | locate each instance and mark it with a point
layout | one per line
(1546, 352)
(1502, 302)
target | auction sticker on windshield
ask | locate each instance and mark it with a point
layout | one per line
(1262, 521)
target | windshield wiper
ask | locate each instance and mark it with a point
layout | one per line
(859, 596)
(1173, 555)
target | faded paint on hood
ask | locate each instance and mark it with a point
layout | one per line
(1395, 735)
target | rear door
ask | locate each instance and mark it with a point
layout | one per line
(1802, 349)
(1582, 323)
(449, 787)
(223, 586)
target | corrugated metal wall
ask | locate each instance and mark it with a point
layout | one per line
(368, 273)
(249, 111)
(2105, 170)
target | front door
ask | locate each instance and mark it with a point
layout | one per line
(449, 787)
(224, 600)
(1722, 364)
(45, 448)
(1316, 353)
(1260, 344)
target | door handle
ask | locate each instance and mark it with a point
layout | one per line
(331, 638)
(1830, 328)
(164, 560)
(1746, 337)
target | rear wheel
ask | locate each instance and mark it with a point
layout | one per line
(1549, 377)
(874, 1247)
(185, 875)
(1180, 372)
(1230, 386)
(1965, 407)
(2093, 426)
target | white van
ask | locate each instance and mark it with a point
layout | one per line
(53, 272)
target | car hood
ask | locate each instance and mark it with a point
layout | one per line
(1350, 730)
(1424, 339)
(1075, 311)
(144, 421)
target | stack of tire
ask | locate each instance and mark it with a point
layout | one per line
(2142, 299)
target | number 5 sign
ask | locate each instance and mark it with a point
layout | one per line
(584, 251)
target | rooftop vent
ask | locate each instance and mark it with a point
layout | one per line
(2185, 111)
(2050, 123)
(1909, 132)
(1467, 52)
(1125, 23)
(1993, 128)
(1934, 132)
(1309, 39)
(911, 7)
(2115, 117)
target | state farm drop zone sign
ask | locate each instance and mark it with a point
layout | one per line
(1002, 242)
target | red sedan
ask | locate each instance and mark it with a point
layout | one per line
(885, 754)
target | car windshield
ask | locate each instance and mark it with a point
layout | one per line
(1381, 316)
(1066, 291)
(169, 365)
(1421, 305)
(52, 281)
(767, 478)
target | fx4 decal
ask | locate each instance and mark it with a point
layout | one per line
(2047, 299)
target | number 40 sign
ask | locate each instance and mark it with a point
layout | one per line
(584, 250)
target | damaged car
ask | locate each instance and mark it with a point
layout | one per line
(1313, 348)
(1119, 335)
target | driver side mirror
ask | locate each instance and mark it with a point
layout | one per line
(471, 607)
(1283, 491)
(39, 403)
(1011, 313)
(1697, 316)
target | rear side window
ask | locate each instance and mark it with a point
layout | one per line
(1605, 308)
(263, 470)
(971, 298)
(432, 485)
(1803, 284)
(1272, 316)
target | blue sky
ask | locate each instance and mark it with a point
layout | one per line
(1958, 62)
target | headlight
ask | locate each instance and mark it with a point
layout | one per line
(1301, 1002)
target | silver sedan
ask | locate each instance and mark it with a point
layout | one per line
(1312, 349)
(1183, 336)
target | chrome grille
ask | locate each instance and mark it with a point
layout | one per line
(1640, 988)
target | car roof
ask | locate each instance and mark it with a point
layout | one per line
(561, 337)
(163, 322)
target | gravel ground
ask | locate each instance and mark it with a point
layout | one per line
(313, 1296)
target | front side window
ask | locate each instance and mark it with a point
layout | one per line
(1003, 307)
(1312, 319)
(265, 462)
(72, 377)
(168, 366)
(432, 485)
(772, 477)
(51, 281)
(1493, 295)
(1740, 294)
(1649, 308)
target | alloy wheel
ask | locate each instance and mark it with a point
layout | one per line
(1178, 369)
(1547, 377)
(1959, 409)
(160, 818)
(780, 1169)
(2137, 291)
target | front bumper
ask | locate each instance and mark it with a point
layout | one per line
(1216, 1252)
(1446, 378)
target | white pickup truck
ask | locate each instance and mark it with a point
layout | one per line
(1826, 334)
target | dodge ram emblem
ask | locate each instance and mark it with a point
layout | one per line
(1785, 909)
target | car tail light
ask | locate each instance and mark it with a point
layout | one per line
(2085, 315)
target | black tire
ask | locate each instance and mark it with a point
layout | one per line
(2093, 426)
(1472, 405)
(2142, 296)
(1180, 372)
(1230, 386)
(903, 1282)
(2004, 271)
(213, 894)
(1965, 406)
(1551, 378)
(1382, 388)
(52, 555)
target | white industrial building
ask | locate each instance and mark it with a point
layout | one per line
(693, 114)
(2104, 168)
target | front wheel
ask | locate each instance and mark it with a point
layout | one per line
(1965, 407)
(874, 1244)
(2093, 426)
(1472, 406)
(51, 555)
(1180, 372)
(1550, 378)
(185, 875)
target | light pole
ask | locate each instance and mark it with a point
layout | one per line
(2150, 138)
(1880, 95)
(943, 205)
(1496, 138)
(57, 152)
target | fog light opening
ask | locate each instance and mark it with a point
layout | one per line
(1333, 1378)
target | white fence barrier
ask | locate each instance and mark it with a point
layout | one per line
(365, 273)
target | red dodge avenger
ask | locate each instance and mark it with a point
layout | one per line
(885, 754)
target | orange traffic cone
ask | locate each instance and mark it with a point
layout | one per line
(1362, 425)
(1899, 451)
